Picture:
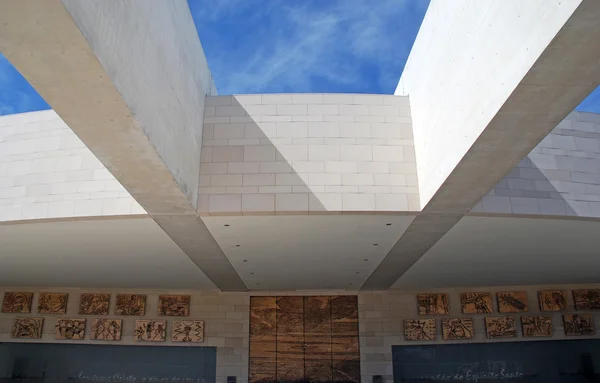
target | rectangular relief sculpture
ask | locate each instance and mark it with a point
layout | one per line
(130, 305)
(53, 303)
(94, 304)
(17, 303)
(433, 304)
(553, 300)
(457, 328)
(27, 328)
(500, 327)
(72, 329)
(476, 303)
(107, 329)
(512, 302)
(587, 299)
(174, 305)
(578, 324)
(150, 330)
(419, 329)
(536, 326)
(188, 331)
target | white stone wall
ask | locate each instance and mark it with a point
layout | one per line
(381, 316)
(226, 317)
(47, 172)
(467, 59)
(300, 153)
(158, 66)
(561, 176)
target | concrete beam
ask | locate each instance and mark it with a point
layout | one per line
(132, 89)
(487, 80)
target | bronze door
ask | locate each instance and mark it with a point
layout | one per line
(304, 339)
(290, 339)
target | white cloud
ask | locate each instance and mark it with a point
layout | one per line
(298, 45)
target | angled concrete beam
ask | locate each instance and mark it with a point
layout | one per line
(495, 78)
(129, 78)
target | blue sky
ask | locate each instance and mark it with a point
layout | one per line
(268, 46)
(16, 95)
(257, 46)
(591, 103)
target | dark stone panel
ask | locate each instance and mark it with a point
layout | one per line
(557, 361)
(58, 363)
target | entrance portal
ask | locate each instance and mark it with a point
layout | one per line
(304, 339)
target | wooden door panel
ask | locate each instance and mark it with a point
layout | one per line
(304, 339)
(263, 339)
(317, 338)
(345, 344)
(290, 339)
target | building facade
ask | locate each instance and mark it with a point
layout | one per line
(300, 237)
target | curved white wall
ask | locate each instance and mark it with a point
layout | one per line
(350, 157)
(561, 176)
(47, 172)
(301, 153)
(467, 59)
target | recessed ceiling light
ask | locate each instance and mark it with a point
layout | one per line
(237, 245)
(388, 224)
(366, 259)
(258, 284)
(375, 244)
(251, 273)
(358, 272)
(245, 260)
(226, 225)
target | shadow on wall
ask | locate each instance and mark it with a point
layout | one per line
(560, 177)
(242, 169)
(295, 154)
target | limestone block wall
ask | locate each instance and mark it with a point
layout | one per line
(454, 96)
(561, 176)
(166, 93)
(47, 172)
(226, 317)
(301, 153)
(381, 316)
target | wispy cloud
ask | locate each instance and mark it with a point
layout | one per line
(16, 95)
(307, 46)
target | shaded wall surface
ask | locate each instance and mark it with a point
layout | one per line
(561, 176)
